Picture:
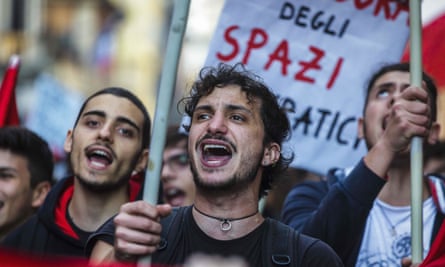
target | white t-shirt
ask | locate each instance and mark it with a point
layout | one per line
(387, 237)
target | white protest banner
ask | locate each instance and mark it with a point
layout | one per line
(316, 56)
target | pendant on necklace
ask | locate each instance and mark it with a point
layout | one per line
(226, 225)
(393, 231)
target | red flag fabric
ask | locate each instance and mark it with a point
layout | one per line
(433, 60)
(13, 258)
(8, 106)
(433, 49)
(436, 255)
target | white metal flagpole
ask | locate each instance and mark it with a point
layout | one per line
(416, 143)
(163, 103)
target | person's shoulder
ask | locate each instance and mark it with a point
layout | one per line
(310, 251)
(22, 233)
(308, 188)
(317, 253)
(322, 185)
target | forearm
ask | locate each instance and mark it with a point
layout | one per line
(342, 214)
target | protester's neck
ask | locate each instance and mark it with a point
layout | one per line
(397, 190)
(89, 210)
(230, 227)
(231, 206)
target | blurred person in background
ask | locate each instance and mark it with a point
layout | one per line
(26, 175)
(178, 187)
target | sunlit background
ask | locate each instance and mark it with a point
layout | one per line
(90, 44)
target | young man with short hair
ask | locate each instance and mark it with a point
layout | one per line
(26, 175)
(108, 144)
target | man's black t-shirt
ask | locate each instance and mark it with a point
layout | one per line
(195, 240)
(184, 238)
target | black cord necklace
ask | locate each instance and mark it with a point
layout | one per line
(226, 223)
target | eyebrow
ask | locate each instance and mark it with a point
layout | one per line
(391, 84)
(229, 107)
(3, 169)
(119, 118)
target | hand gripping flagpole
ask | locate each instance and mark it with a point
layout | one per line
(416, 143)
(163, 103)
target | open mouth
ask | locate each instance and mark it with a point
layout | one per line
(215, 154)
(174, 196)
(99, 158)
(2, 203)
(385, 122)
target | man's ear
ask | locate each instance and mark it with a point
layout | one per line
(433, 136)
(68, 141)
(271, 154)
(141, 165)
(39, 194)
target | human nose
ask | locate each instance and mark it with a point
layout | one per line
(217, 124)
(165, 173)
(394, 97)
(105, 132)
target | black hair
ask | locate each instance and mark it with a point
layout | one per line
(404, 67)
(175, 136)
(24, 142)
(121, 92)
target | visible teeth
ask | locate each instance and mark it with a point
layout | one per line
(172, 191)
(97, 164)
(100, 153)
(212, 146)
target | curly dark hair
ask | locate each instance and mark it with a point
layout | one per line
(275, 121)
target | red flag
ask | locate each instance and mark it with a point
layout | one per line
(8, 107)
(433, 60)
(435, 257)
(433, 49)
(15, 258)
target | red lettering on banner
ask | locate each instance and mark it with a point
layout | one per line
(231, 41)
(335, 73)
(399, 9)
(281, 54)
(313, 64)
(362, 5)
(385, 7)
(253, 43)
(258, 39)
(382, 6)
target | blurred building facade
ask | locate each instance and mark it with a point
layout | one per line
(80, 46)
